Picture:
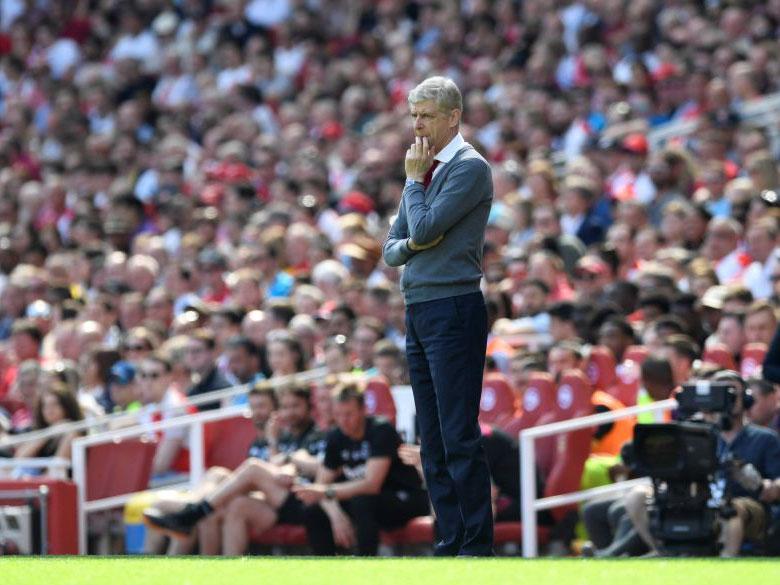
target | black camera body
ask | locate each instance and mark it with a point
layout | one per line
(681, 459)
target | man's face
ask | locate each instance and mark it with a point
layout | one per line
(294, 410)
(241, 364)
(430, 122)
(545, 222)
(730, 333)
(612, 337)
(261, 407)
(534, 300)
(197, 357)
(152, 381)
(720, 242)
(759, 243)
(559, 360)
(760, 327)
(765, 407)
(349, 417)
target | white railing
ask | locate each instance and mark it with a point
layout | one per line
(123, 418)
(55, 467)
(195, 424)
(530, 504)
(763, 112)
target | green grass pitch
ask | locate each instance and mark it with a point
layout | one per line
(346, 571)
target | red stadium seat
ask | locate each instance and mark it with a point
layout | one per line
(573, 396)
(752, 358)
(498, 404)
(601, 368)
(227, 441)
(572, 450)
(627, 382)
(636, 353)
(417, 531)
(538, 400)
(280, 535)
(719, 355)
(114, 469)
(379, 398)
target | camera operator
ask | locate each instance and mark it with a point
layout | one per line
(745, 443)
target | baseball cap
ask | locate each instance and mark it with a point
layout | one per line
(635, 143)
(591, 265)
(714, 296)
(356, 202)
(122, 372)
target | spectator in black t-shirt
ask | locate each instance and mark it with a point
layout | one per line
(362, 485)
(257, 494)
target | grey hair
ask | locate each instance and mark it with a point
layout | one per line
(440, 89)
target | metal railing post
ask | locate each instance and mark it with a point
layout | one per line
(528, 494)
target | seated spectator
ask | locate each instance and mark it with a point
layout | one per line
(377, 490)
(161, 402)
(566, 355)
(200, 360)
(122, 385)
(24, 396)
(765, 411)
(56, 405)
(617, 335)
(682, 352)
(562, 324)
(760, 323)
(225, 514)
(657, 383)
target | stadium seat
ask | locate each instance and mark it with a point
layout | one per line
(417, 531)
(573, 397)
(719, 355)
(287, 535)
(379, 399)
(573, 448)
(601, 367)
(498, 404)
(123, 467)
(752, 357)
(627, 382)
(636, 353)
(538, 400)
(227, 441)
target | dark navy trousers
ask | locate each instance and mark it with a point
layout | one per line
(446, 341)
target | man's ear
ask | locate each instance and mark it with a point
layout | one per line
(455, 116)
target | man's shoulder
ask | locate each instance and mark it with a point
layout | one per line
(759, 433)
(468, 154)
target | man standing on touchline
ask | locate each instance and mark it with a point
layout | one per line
(438, 235)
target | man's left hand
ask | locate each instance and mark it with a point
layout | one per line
(770, 492)
(419, 159)
(309, 494)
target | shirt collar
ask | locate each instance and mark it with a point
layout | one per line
(453, 146)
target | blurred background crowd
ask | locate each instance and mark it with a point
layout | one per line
(194, 193)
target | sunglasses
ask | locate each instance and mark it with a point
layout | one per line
(150, 375)
(137, 348)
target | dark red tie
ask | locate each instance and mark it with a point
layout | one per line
(429, 175)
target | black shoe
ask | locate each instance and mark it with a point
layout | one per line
(177, 524)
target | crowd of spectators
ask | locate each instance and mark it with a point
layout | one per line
(193, 193)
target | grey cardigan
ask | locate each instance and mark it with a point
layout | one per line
(456, 204)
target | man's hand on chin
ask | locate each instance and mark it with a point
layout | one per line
(419, 247)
